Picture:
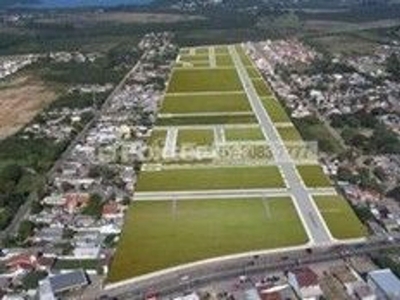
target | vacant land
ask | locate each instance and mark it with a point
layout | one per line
(205, 103)
(221, 50)
(194, 58)
(244, 134)
(198, 137)
(261, 87)
(243, 56)
(340, 218)
(289, 133)
(224, 61)
(210, 179)
(202, 50)
(207, 120)
(313, 176)
(275, 110)
(253, 73)
(157, 138)
(204, 80)
(195, 64)
(20, 100)
(163, 234)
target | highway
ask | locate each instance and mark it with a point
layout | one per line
(191, 279)
(311, 217)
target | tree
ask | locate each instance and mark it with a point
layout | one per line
(95, 206)
(394, 193)
(25, 230)
(393, 66)
(363, 213)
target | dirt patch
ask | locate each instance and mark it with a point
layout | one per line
(20, 100)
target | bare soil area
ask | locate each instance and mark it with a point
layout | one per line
(20, 100)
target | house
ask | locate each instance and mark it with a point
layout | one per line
(305, 283)
(75, 201)
(112, 210)
(87, 252)
(192, 296)
(24, 261)
(279, 292)
(49, 234)
(385, 284)
(54, 200)
(54, 285)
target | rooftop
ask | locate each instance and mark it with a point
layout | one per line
(305, 277)
(64, 282)
(386, 281)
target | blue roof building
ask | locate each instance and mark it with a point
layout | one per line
(385, 284)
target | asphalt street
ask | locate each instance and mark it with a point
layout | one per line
(311, 217)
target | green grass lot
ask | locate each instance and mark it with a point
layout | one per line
(253, 73)
(244, 134)
(200, 137)
(161, 234)
(157, 138)
(340, 218)
(313, 176)
(205, 103)
(243, 56)
(212, 80)
(184, 51)
(221, 50)
(197, 64)
(261, 87)
(202, 51)
(194, 58)
(289, 133)
(73, 264)
(314, 130)
(275, 110)
(210, 179)
(208, 120)
(224, 61)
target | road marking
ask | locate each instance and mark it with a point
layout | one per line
(266, 208)
(170, 143)
(212, 58)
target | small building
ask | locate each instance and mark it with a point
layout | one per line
(87, 252)
(305, 283)
(192, 296)
(55, 285)
(385, 284)
(112, 210)
(49, 234)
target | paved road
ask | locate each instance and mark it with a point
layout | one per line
(311, 217)
(224, 194)
(192, 279)
(257, 47)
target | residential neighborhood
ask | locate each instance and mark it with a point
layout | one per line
(78, 221)
(354, 98)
